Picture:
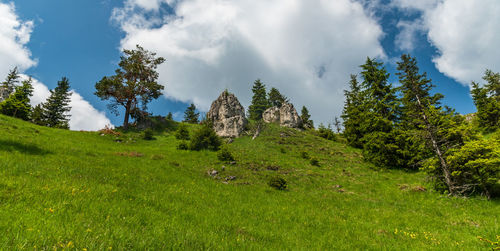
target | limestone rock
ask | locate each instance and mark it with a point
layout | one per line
(286, 116)
(227, 115)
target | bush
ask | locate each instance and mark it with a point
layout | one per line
(205, 138)
(225, 155)
(182, 146)
(148, 134)
(315, 162)
(278, 183)
(326, 133)
(182, 132)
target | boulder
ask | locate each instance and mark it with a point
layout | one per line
(3, 94)
(227, 115)
(286, 116)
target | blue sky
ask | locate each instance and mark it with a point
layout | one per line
(213, 45)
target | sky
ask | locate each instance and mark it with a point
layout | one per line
(305, 48)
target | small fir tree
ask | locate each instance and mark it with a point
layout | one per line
(56, 108)
(259, 101)
(190, 115)
(353, 113)
(487, 101)
(18, 104)
(37, 115)
(306, 118)
(8, 86)
(276, 98)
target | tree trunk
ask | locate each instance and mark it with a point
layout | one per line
(127, 115)
(444, 166)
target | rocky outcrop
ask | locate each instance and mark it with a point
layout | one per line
(3, 94)
(286, 116)
(227, 115)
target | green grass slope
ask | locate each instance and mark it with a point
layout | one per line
(79, 190)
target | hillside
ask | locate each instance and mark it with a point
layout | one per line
(80, 190)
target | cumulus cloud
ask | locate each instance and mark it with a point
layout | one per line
(409, 30)
(14, 35)
(464, 33)
(305, 48)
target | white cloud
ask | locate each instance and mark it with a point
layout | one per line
(306, 49)
(14, 35)
(406, 39)
(465, 34)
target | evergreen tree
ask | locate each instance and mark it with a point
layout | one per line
(276, 98)
(259, 101)
(169, 116)
(8, 86)
(190, 115)
(378, 141)
(18, 104)
(353, 111)
(306, 118)
(487, 101)
(37, 115)
(56, 108)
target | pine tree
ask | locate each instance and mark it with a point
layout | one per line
(259, 101)
(276, 98)
(379, 115)
(353, 112)
(190, 115)
(306, 118)
(8, 86)
(18, 104)
(487, 101)
(336, 123)
(56, 108)
(169, 116)
(37, 115)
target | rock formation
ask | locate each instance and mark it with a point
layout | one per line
(227, 115)
(286, 116)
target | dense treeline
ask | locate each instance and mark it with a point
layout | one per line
(407, 127)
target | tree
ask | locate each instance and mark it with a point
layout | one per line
(353, 112)
(276, 98)
(18, 104)
(259, 101)
(306, 118)
(56, 108)
(37, 115)
(190, 115)
(421, 112)
(169, 116)
(135, 83)
(487, 101)
(8, 86)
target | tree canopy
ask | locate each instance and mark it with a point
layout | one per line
(134, 85)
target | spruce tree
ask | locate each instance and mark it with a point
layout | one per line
(8, 86)
(336, 123)
(378, 120)
(487, 101)
(259, 101)
(56, 108)
(353, 112)
(306, 118)
(190, 115)
(37, 115)
(18, 104)
(276, 98)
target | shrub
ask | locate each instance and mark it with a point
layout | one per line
(225, 155)
(205, 138)
(182, 146)
(314, 162)
(326, 133)
(148, 134)
(278, 183)
(182, 132)
(305, 155)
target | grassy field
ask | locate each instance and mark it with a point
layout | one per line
(80, 190)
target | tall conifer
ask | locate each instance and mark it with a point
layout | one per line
(259, 101)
